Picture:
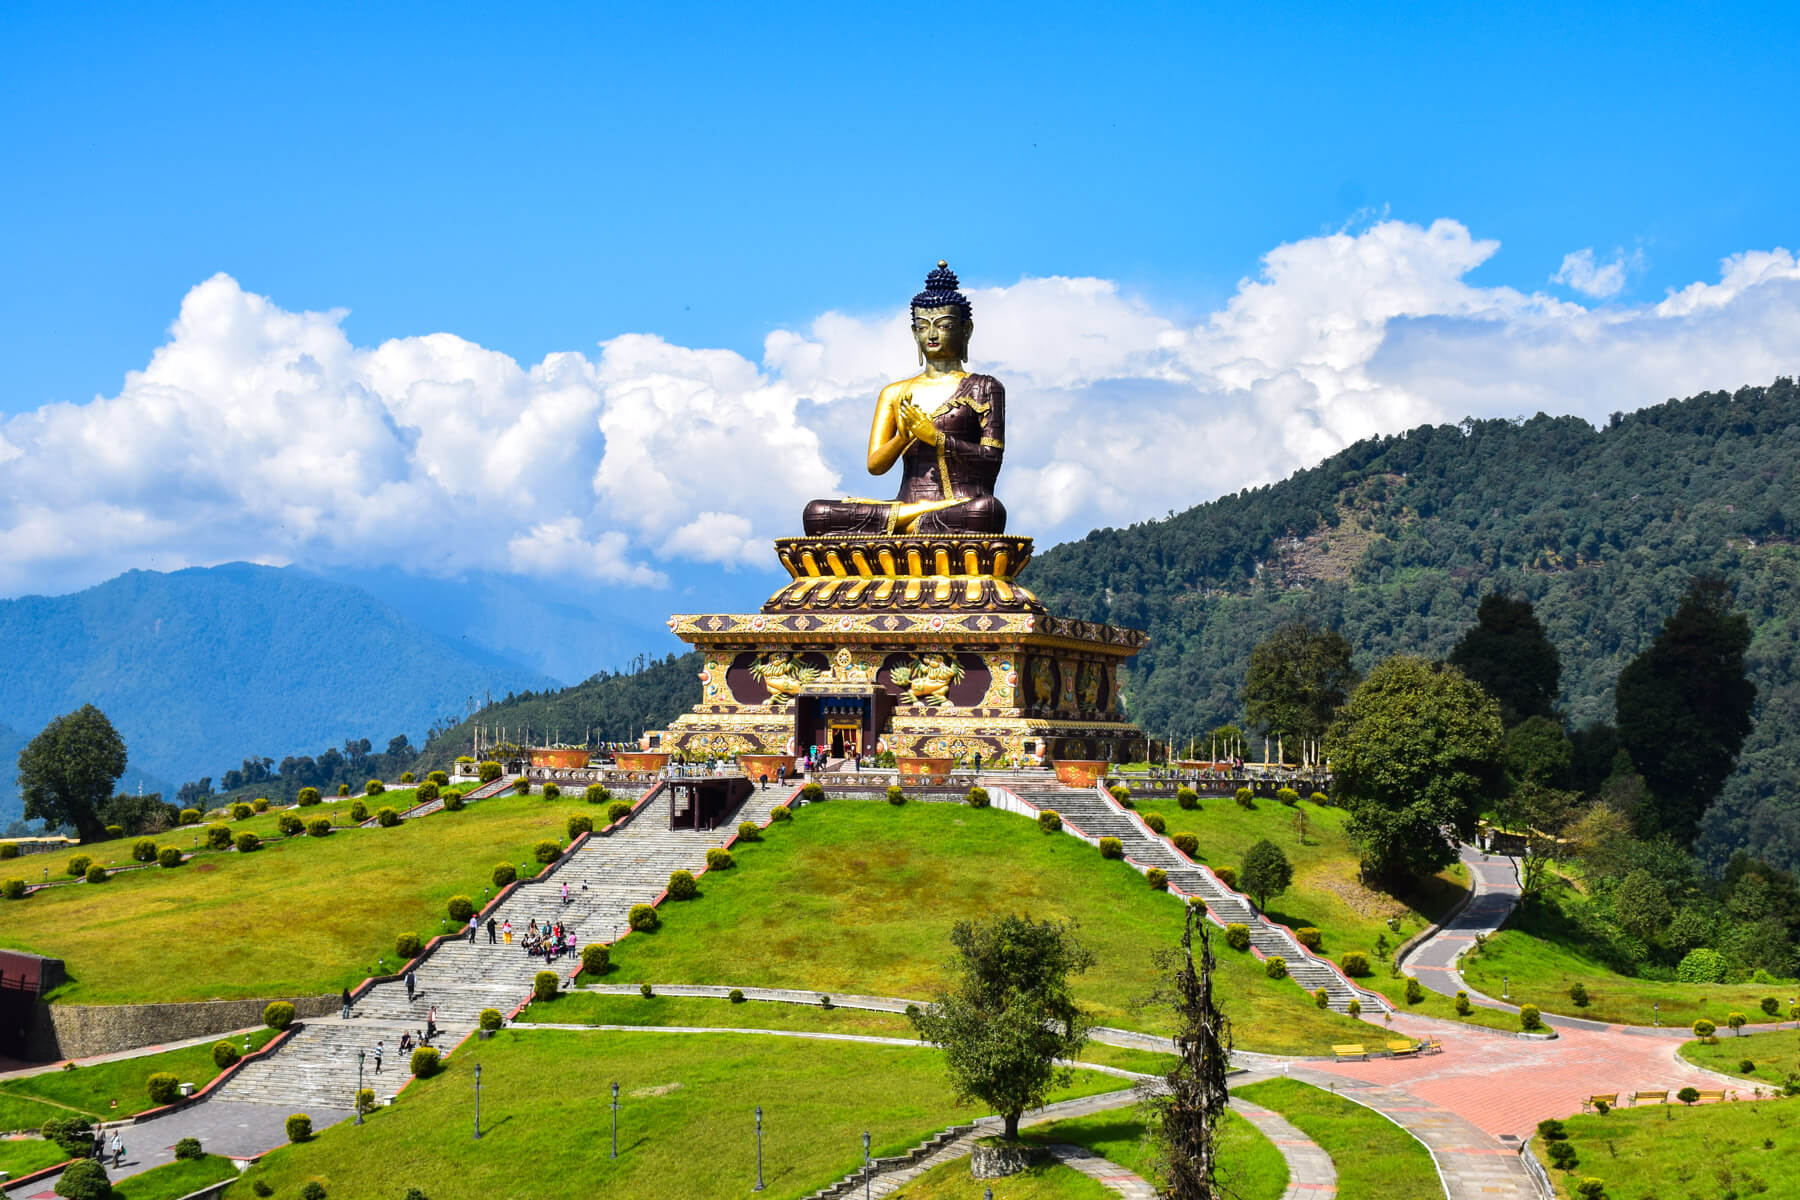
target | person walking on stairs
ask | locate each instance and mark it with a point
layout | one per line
(474, 924)
(412, 986)
(378, 1053)
(507, 930)
(493, 928)
(346, 1000)
(430, 1024)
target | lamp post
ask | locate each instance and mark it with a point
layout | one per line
(615, 1129)
(1655, 1014)
(868, 1174)
(1505, 987)
(478, 1102)
(759, 1181)
(360, 1055)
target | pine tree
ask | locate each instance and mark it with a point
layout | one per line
(1185, 1111)
(1507, 652)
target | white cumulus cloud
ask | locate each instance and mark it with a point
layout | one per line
(1601, 280)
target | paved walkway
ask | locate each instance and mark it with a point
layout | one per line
(1310, 1170)
(1107, 1173)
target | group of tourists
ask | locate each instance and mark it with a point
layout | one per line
(549, 939)
(103, 1149)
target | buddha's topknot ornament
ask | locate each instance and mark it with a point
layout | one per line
(940, 292)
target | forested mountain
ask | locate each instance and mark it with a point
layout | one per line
(1395, 540)
(198, 668)
(609, 707)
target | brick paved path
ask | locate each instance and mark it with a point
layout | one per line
(1310, 1170)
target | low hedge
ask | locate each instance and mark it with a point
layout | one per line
(682, 885)
(13, 889)
(718, 858)
(490, 1019)
(1111, 847)
(218, 836)
(643, 918)
(595, 959)
(454, 802)
(1156, 823)
(546, 852)
(1355, 964)
(96, 874)
(552, 792)
(408, 946)
(1157, 878)
(1050, 821)
(1187, 843)
(504, 873)
(307, 797)
(290, 825)
(225, 1053)
(543, 985)
(318, 827)
(781, 812)
(426, 1062)
(1186, 797)
(168, 856)
(1237, 936)
(246, 842)
(144, 850)
(617, 811)
(1309, 936)
(977, 798)
(387, 818)
(579, 824)
(460, 908)
(487, 772)
(163, 1087)
(596, 794)
(278, 1014)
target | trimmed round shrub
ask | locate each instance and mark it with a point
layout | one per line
(454, 802)
(1578, 994)
(343, 789)
(425, 1060)
(546, 851)
(543, 985)
(9, 850)
(1530, 1018)
(114, 832)
(1121, 793)
(187, 1149)
(1156, 823)
(504, 873)
(1237, 936)
(1310, 937)
(290, 825)
(1354, 1008)
(407, 946)
(225, 1052)
(13, 889)
(439, 778)
(299, 1128)
(1688, 1095)
(1746, 1066)
(1275, 967)
(595, 959)
(314, 1190)
(260, 804)
(1552, 1130)
(407, 777)
(189, 816)
(1321, 998)
(246, 842)
(1770, 1006)
(168, 856)
(79, 864)
(71, 1132)
(1701, 966)
(1246, 798)
(735, 995)
(318, 827)
(95, 874)
(682, 885)
(1355, 964)
(1320, 798)
(596, 794)
(1157, 878)
(163, 1087)
(781, 812)
(646, 991)
(1463, 1007)
(812, 792)
(1050, 821)
(460, 908)
(425, 793)
(1562, 1156)
(1737, 1021)
(1287, 796)
(748, 832)
(85, 1179)
(718, 858)
(1187, 843)
(1111, 847)
(365, 1100)
(218, 835)
(374, 787)
(387, 818)
(643, 918)
(579, 824)
(278, 1014)
(552, 792)
(1227, 876)
(977, 798)
(522, 785)
(307, 797)
(617, 811)
(240, 811)
(1704, 1028)
(490, 1019)
(895, 795)
(1414, 993)
(1186, 797)
(144, 850)
(487, 772)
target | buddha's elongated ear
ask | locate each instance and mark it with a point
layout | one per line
(968, 335)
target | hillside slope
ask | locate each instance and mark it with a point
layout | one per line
(198, 666)
(1395, 540)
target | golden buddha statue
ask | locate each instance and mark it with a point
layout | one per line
(945, 426)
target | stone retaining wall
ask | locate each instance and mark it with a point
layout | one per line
(61, 1031)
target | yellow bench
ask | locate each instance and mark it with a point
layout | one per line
(1611, 1100)
(1402, 1048)
(1717, 1097)
(1350, 1051)
(1661, 1097)
(1431, 1046)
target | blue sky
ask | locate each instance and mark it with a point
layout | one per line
(550, 183)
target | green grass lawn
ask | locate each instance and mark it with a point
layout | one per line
(1375, 1159)
(1711, 1150)
(17, 1113)
(174, 1180)
(1443, 1008)
(685, 1119)
(21, 1156)
(952, 1181)
(599, 1008)
(301, 916)
(1249, 1164)
(91, 1089)
(1542, 951)
(399, 799)
(860, 897)
(1776, 1055)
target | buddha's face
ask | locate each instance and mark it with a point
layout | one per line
(941, 333)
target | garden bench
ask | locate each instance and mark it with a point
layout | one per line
(1402, 1048)
(1350, 1051)
(1431, 1046)
(1610, 1099)
(1661, 1097)
(1717, 1097)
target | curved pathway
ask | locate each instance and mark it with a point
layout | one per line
(1310, 1169)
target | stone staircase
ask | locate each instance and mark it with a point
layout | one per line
(1100, 816)
(607, 876)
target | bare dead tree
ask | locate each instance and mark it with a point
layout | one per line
(1184, 1112)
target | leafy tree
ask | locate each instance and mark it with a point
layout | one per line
(1507, 652)
(1184, 1113)
(1010, 1014)
(1296, 680)
(1684, 708)
(1640, 906)
(1414, 752)
(1267, 872)
(1537, 751)
(67, 772)
(1541, 813)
